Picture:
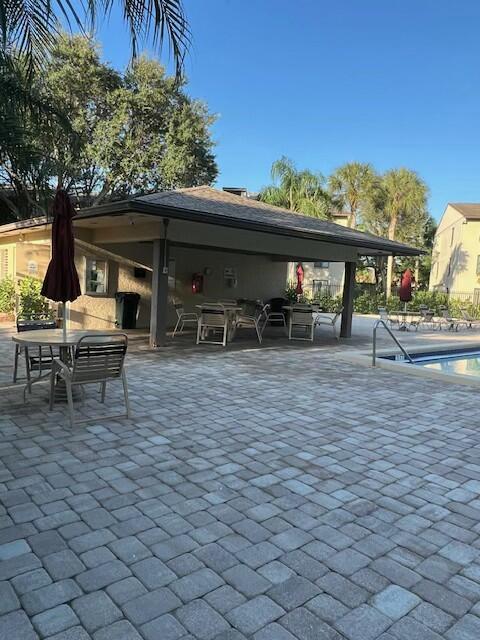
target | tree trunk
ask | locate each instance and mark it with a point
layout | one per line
(391, 236)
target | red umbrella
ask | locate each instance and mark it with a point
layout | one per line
(405, 291)
(300, 275)
(61, 280)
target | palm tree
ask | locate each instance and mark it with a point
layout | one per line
(352, 185)
(28, 27)
(300, 191)
(404, 208)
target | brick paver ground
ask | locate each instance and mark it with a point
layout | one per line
(268, 495)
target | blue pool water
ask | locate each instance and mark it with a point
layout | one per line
(460, 361)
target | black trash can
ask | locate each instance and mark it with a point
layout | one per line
(126, 309)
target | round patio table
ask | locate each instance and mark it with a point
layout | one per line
(52, 338)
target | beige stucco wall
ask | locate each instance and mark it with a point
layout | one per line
(455, 251)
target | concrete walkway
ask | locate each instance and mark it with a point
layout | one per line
(265, 494)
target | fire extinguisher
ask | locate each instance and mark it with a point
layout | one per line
(197, 283)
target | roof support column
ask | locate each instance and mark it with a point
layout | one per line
(159, 305)
(348, 292)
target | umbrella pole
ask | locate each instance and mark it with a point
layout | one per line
(64, 321)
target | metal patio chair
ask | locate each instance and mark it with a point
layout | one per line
(183, 318)
(255, 318)
(329, 321)
(472, 322)
(213, 319)
(301, 317)
(40, 359)
(96, 359)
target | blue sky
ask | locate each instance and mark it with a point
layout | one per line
(394, 83)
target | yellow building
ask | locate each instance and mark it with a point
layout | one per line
(456, 252)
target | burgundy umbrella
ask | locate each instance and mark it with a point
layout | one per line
(405, 291)
(300, 276)
(61, 280)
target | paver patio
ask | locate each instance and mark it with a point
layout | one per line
(268, 494)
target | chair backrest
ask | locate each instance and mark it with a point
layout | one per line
(337, 315)
(179, 308)
(466, 315)
(35, 325)
(277, 304)
(99, 357)
(213, 315)
(302, 314)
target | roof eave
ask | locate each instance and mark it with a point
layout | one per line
(157, 209)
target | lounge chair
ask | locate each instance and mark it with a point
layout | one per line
(469, 319)
(329, 321)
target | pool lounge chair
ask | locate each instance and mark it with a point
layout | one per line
(471, 322)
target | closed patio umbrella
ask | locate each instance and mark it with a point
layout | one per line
(61, 282)
(405, 291)
(300, 275)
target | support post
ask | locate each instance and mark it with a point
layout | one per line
(348, 291)
(159, 305)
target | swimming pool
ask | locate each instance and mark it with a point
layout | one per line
(454, 361)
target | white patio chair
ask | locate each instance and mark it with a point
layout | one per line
(98, 358)
(329, 321)
(183, 318)
(255, 319)
(213, 319)
(301, 316)
(472, 323)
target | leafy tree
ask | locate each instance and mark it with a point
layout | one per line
(300, 191)
(353, 185)
(399, 211)
(127, 134)
(28, 28)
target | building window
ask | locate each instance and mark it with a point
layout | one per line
(96, 276)
(4, 263)
(321, 264)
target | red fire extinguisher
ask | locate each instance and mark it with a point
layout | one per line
(197, 283)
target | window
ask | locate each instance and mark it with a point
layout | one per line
(321, 264)
(3, 263)
(319, 286)
(96, 276)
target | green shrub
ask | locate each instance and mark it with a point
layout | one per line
(291, 292)
(368, 302)
(327, 302)
(31, 303)
(7, 295)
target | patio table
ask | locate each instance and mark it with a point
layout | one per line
(51, 338)
(404, 317)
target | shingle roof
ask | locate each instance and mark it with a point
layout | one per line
(470, 210)
(207, 204)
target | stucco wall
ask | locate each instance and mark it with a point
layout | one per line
(455, 251)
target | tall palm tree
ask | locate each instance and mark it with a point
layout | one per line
(352, 185)
(28, 27)
(300, 191)
(404, 205)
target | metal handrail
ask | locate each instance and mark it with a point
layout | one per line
(397, 342)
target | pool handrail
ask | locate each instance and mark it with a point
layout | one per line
(377, 324)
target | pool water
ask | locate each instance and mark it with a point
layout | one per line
(464, 362)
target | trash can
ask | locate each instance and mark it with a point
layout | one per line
(126, 309)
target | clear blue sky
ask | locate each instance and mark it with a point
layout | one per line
(394, 83)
